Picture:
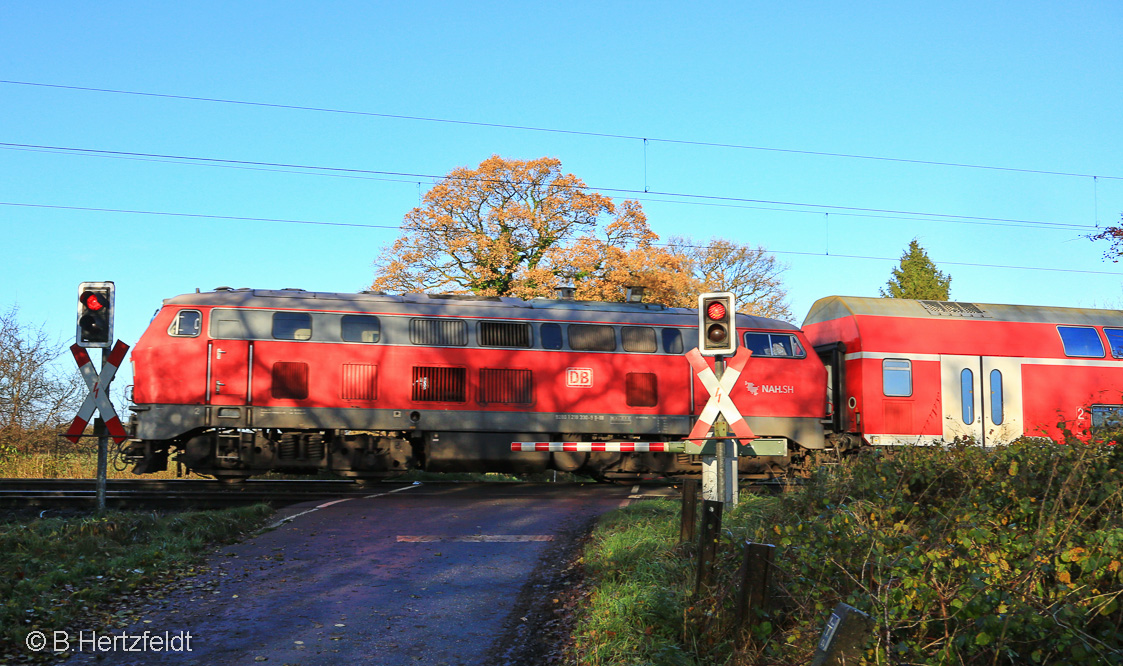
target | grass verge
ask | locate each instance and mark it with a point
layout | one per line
(960, 555)
(57, 572)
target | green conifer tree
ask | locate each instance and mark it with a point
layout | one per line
(917, 277)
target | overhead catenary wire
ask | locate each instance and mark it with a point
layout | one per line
(553, 130)
(125, 211)
(791, 206)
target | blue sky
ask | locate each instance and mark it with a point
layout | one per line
(1022, 86)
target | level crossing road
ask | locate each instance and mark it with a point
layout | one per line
(418, 574)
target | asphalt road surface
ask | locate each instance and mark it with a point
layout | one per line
(411, 575)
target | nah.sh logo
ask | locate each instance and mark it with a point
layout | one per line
(769, 388)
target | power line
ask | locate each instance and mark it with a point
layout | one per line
(697, 198)
(529, 128)
(405, 227)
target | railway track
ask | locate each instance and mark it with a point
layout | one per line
(169, 494)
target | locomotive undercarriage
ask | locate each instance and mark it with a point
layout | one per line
(241, 453)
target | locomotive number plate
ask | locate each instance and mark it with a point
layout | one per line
(579, 377)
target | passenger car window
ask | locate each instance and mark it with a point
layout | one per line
(896, 377)
(1081, 341)
(996, 397)
(967, 395)
(187, 324)
(361, 328)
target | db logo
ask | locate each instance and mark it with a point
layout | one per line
(579, 377)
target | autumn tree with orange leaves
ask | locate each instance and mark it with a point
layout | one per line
(522, 228)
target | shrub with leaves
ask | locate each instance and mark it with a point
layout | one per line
(961, 555)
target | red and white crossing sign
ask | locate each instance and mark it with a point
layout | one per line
(719, 402)
(98, 397)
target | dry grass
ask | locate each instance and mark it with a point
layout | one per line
(67, 466)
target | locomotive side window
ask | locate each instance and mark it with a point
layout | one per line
(1115, 340)
(438, 332)
(967, 395)
(551, 336)
(672, 341)
(896, 377)
(639, 339)
(774, 344)
(504, 334)
(187, 324)
(592, 337)
(292, 325)
(1081, 341)
(361, 328)
(996, 397)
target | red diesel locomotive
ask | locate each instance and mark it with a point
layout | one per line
(241, 381)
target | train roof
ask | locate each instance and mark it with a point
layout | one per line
(461, 304)
(838, 307)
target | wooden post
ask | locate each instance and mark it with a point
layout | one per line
(689, 510)
(752, 594)
(707, 544)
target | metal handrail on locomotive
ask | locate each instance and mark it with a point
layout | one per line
(237, 382)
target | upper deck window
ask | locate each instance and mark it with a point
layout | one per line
(361, 328)
(1081, 341)
(292, 325)
(592, 337)
(1115, 340)
(187, 324)
(774, 344)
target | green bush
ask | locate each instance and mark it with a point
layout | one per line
(961, 555)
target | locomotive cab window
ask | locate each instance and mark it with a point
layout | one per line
(292, 326)
(592, 337)
(639, 339)
(1081, 341)
(187, 324)
(504, 334)
(896, 377)
(1115, 341)
(361, 328)
(774, 344)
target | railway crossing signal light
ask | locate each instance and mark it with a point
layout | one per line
(717, 324)
(95, 314)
